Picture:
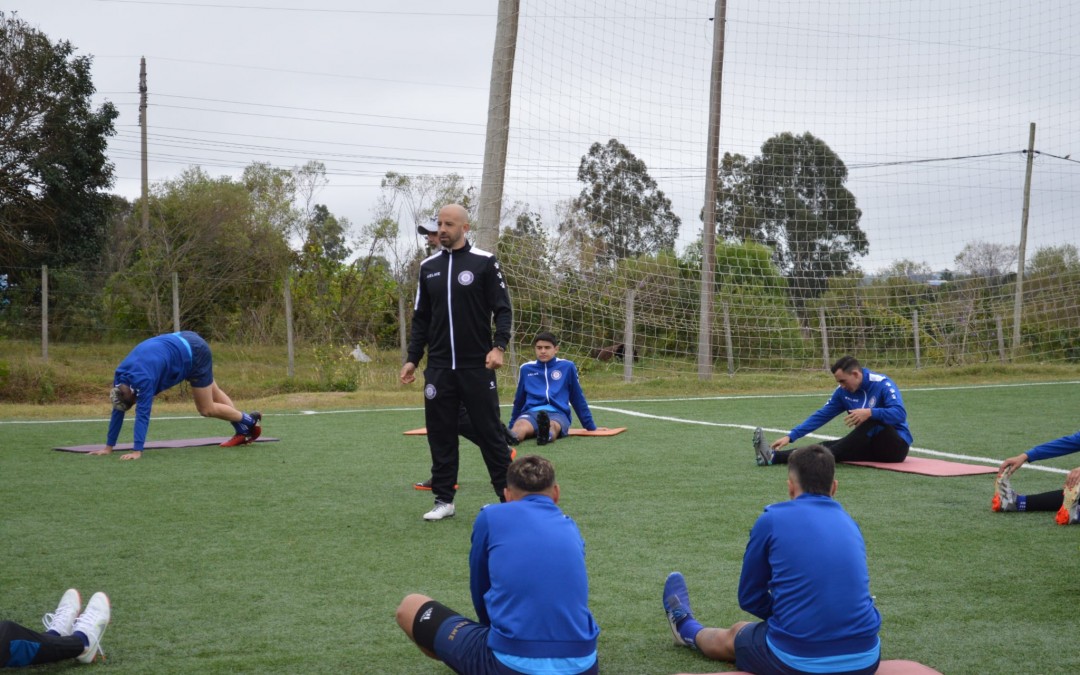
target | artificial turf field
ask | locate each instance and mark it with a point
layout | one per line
(291, 557)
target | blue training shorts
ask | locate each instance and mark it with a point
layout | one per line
(461, 643)
(753, 655)
(202, 363)
(563, 420)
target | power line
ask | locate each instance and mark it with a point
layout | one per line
(313, 10)
(307, 73)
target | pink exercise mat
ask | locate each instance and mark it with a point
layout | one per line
(930, 467)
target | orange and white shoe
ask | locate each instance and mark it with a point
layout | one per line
(1004, 496)
(1069, 513)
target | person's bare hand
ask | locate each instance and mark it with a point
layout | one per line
(856, 417)
(1012, 464)
(494, 359)
(1073, 478)
(408, 373)
(780, 442)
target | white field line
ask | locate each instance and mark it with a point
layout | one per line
(632, 413)
(924, 451)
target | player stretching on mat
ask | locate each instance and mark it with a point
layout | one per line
(161, 363)
(1066, 503)
(804, 574)
(547, 388)
(874, 408)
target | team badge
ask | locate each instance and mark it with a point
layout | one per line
(465, 278)
(873, 401)
(429, 392)
(557, 375)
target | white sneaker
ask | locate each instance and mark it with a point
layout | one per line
(63, 618)
(92, 623)
(439, 511)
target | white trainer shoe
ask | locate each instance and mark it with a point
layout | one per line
(439, 511)
(63, 618)
(92, 623)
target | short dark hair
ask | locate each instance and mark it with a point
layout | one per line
(848, 364)
(531, 473)
(122, 397)
(813, 467)
(546, 336)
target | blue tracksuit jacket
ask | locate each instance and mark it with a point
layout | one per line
(876, 392)
(554, 383)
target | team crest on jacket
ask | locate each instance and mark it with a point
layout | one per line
(429, 392)
(465, 278)
(873, 401)
(557, 375)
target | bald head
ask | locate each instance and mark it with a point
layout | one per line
(453, 224)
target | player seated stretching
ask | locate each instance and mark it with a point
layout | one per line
(547, 388)
(872, 406)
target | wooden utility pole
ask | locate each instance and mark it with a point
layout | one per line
(1018, 301)
(142, 126)
(712, 167)
(498, 126)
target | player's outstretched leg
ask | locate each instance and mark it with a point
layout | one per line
(677, 608)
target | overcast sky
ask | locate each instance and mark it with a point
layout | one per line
(368, 87)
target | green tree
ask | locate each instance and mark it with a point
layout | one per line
(622, 205)
(53, 167)
(272, 192)
(987, 259)
(736, 212)
(326, 234)
(228, 261)
(1050, 260)
(805, 213)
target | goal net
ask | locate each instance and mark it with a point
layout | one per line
(870, 195)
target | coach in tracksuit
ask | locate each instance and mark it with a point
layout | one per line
(461, 289)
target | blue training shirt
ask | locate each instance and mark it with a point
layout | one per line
(805, 574)
(528, 580)
(154, 365)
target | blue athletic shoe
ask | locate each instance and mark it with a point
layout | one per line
(677, 607)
